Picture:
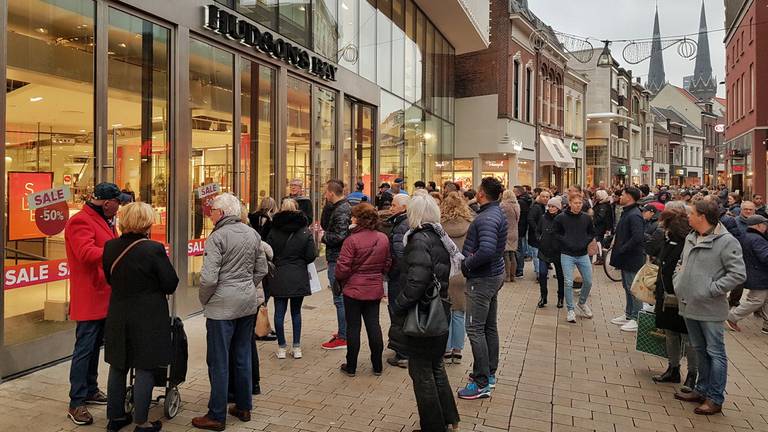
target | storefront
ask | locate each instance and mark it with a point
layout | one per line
(556, 163)
(179, 99)
(462, 172)
(496, 168)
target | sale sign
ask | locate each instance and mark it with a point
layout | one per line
(48, 197)
(196, 247)
(207, 193)
(23, 275)
(21, 218)
(52, 219)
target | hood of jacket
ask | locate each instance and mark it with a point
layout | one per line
(289, 221)
(456, 228)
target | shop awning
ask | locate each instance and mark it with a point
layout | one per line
(554, 152)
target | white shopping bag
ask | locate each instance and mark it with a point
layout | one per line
(314, 279)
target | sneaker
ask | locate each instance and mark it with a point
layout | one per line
(571, 317)
(281, 353)
(296, 352)
(80, 416)
(620, 320)
(345, 370)
(472, 392)
(764, 330)
(335, 343)
(397, 361)
(732, 326)
(491, 381)
(584, 310)
(98, 398)
(648, 307)
(630, 326)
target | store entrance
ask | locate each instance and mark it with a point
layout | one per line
(357, 151)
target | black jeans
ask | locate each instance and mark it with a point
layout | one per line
(142, 394)
(393, 290)
(357, 311)
(84, 371)
(481, 313)
(434, 396)
(544, 276)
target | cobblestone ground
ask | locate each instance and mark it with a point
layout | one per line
(553, 376)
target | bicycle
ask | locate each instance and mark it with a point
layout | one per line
(612, 272)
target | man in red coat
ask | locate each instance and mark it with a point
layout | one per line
(85, 236)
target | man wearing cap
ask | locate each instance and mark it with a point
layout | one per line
(296, 191)
(85, 235)
(397, 187)
(384, 197)
(628, 254)
(358, 196)
(754, 245)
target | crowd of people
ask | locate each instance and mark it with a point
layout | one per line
(440, 257)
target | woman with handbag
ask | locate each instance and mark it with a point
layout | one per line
(141, 276)
(293, 248)
(426, 269)
(674, 220)
(360, 270)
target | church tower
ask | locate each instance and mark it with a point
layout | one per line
(704, 84)
(656, 77)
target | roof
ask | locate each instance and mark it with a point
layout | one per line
(685, 93)
(722, 101)
(673, 115)
(518, 7)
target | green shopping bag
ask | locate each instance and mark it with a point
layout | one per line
(650, 340)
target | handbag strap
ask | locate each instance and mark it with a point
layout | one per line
(122, 254)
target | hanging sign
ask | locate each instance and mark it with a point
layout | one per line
(51, 209)
(207, 193)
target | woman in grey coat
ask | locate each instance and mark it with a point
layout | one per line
(233, 266)
(511, 209)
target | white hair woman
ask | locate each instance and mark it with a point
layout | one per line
(233, 266)
(426, 258)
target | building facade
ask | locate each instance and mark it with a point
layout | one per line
(746, 133)
(173, 99)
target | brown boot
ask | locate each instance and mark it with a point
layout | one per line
(693, 396)
(207, 423)
(243, 415)
(80, 416)
(708, 408)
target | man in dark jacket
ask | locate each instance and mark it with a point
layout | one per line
(525, 201)
(335, 233)
(399, 223)
(384, 197)
(575, 231)
(538, 208)
(628, 255)
(296, 191)
(754, 245)
(484, 269)
(760, 205)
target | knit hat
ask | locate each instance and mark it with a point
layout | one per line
(556, 202)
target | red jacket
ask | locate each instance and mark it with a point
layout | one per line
(362, 263)
(85, 236)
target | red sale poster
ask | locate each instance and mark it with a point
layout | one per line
(21, 219)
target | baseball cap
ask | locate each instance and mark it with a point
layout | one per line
(384, 185)
(108, 191)
(399, 180)
(756, 220)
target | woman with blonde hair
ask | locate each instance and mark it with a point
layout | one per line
(455, 218)
(511, 209)
(141, 275)
(261, 219)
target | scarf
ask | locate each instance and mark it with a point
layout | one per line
(450, 246)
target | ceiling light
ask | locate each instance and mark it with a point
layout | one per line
(111, 52)
(82, 130)
(82, 26)
(117, 125)
(41, 30)
(130, 159)
(8, 158)
(427, 135)
(35, 99)
(122, 45)
(344, 6)
(301, 8)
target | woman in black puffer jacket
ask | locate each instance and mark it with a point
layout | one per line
(425, 256)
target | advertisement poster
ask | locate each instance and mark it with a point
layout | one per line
(21, 218)
(23, 275)
(206, 193)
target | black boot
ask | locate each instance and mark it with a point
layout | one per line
(671, 375)
(690, 382)
(542, 302)
(559, 303)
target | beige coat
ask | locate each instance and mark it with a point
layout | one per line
(512, 212)
(457, 231)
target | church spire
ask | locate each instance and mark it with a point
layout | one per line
(704, 84)
(656, 77)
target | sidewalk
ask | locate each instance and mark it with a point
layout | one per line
(553, 376)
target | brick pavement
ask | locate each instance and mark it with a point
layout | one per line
(553, 376)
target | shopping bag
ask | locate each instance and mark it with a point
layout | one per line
(650, 340)
(263, 328)
(314, 279)
(644, 285)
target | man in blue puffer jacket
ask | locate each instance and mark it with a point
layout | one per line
(484, 269)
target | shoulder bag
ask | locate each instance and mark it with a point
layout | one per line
(427, 317)
(644, 284)
(122, 254)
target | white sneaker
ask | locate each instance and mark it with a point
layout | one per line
(630, 326)
(620, 320)
(296, 352)
(281, 353)
(584, 310)
(648, 307)
(571, 318)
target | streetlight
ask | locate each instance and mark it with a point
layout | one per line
(605, 59)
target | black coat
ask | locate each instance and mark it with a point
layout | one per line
(424, 256)
(337, 229)
(604, 218)
(628, 253)
(138, 327)
(755, 247)
(549, 243)
(668, 318)
(525, 202)
(534, 215)
(293, 249)
(261, 222)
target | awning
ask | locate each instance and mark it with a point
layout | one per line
(554, 152)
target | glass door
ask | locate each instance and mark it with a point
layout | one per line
(357, 153)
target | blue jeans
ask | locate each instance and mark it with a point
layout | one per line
(585, 268)
(84, 371)
(338, 302)
(533, 252)
(633, 305)
(522, 252)
(481, 323)
(456, 331)
(281, 307)
(224, 337)
(707, 339)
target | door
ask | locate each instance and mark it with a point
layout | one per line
(357, 153)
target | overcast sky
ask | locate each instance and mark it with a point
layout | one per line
(628, 19)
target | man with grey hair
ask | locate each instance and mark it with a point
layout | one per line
(296, 191)
(399, 223)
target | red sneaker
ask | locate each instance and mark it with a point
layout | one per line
(335, 343)
(732, 326)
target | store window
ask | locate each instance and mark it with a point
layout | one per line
(325, 145)
(367, 47)
(357, 154)
(433, 148)
(257, 135)
(391, 127)
(525, 172)
(414, 153)
(496, 168)
(211, 83)
(297, 141)
(293, 20)
(462, 172)
(138, 113)
(48, 142)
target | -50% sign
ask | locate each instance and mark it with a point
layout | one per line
(51, 209)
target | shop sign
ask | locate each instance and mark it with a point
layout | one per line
(622, 170)
(645, 168)
(462, 164)
(230, 26)
(574, 147)
(23, 275)
(495, 165)
(738, 168)
(21, 218)
(719, 128)
(67, 179)
(680, 172)
(196, 247)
